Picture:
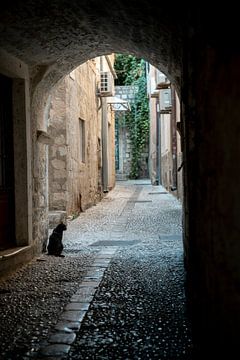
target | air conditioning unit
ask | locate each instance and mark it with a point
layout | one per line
(165, 100)
(106, 83)
(162, 81)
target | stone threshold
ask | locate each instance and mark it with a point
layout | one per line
(13, 251)
(12, 259)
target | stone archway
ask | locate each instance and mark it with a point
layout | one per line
(202, 60)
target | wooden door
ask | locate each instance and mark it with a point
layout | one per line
(7, 207)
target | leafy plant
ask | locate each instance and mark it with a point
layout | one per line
(131, 71)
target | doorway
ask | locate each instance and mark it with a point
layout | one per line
(7, 203)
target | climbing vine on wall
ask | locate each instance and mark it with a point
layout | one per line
(131, 71)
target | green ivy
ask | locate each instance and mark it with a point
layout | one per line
(131, 71)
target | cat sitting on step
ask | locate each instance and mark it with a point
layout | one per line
(55, 245)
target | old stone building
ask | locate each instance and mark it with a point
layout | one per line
(198, 50)
(165, 159)
(75, 161)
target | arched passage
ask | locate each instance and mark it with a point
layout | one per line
(202, 61)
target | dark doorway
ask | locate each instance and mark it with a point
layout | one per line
(7, 206)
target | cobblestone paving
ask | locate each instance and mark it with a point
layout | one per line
(137, 310)
(32, 299)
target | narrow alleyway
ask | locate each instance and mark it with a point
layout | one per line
(120, 287)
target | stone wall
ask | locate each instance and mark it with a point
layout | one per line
(180, 166)
(83, 122)
(57, 156)
(75, 157)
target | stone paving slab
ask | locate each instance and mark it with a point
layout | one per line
(115, 243)
(100, 264)
(89, 283)
(62, 338)
(102, 256)
(67, 326)
(77, 306)
(81, 298)
(85, 291)
(42, 357)
(95, 273)
(73, 315)
(55, 350)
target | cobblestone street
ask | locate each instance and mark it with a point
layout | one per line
(117, 294)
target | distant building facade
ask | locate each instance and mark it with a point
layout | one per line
(165, 160)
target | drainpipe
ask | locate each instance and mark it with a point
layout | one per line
(174, 140)
(105, 157)
(114, 74)
(104, 134)
(104, 145)
(158, 144)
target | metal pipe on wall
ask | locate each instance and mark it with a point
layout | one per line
(104, 145)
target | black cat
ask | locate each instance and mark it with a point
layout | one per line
(55, 245)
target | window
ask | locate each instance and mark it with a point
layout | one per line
(82, 140)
